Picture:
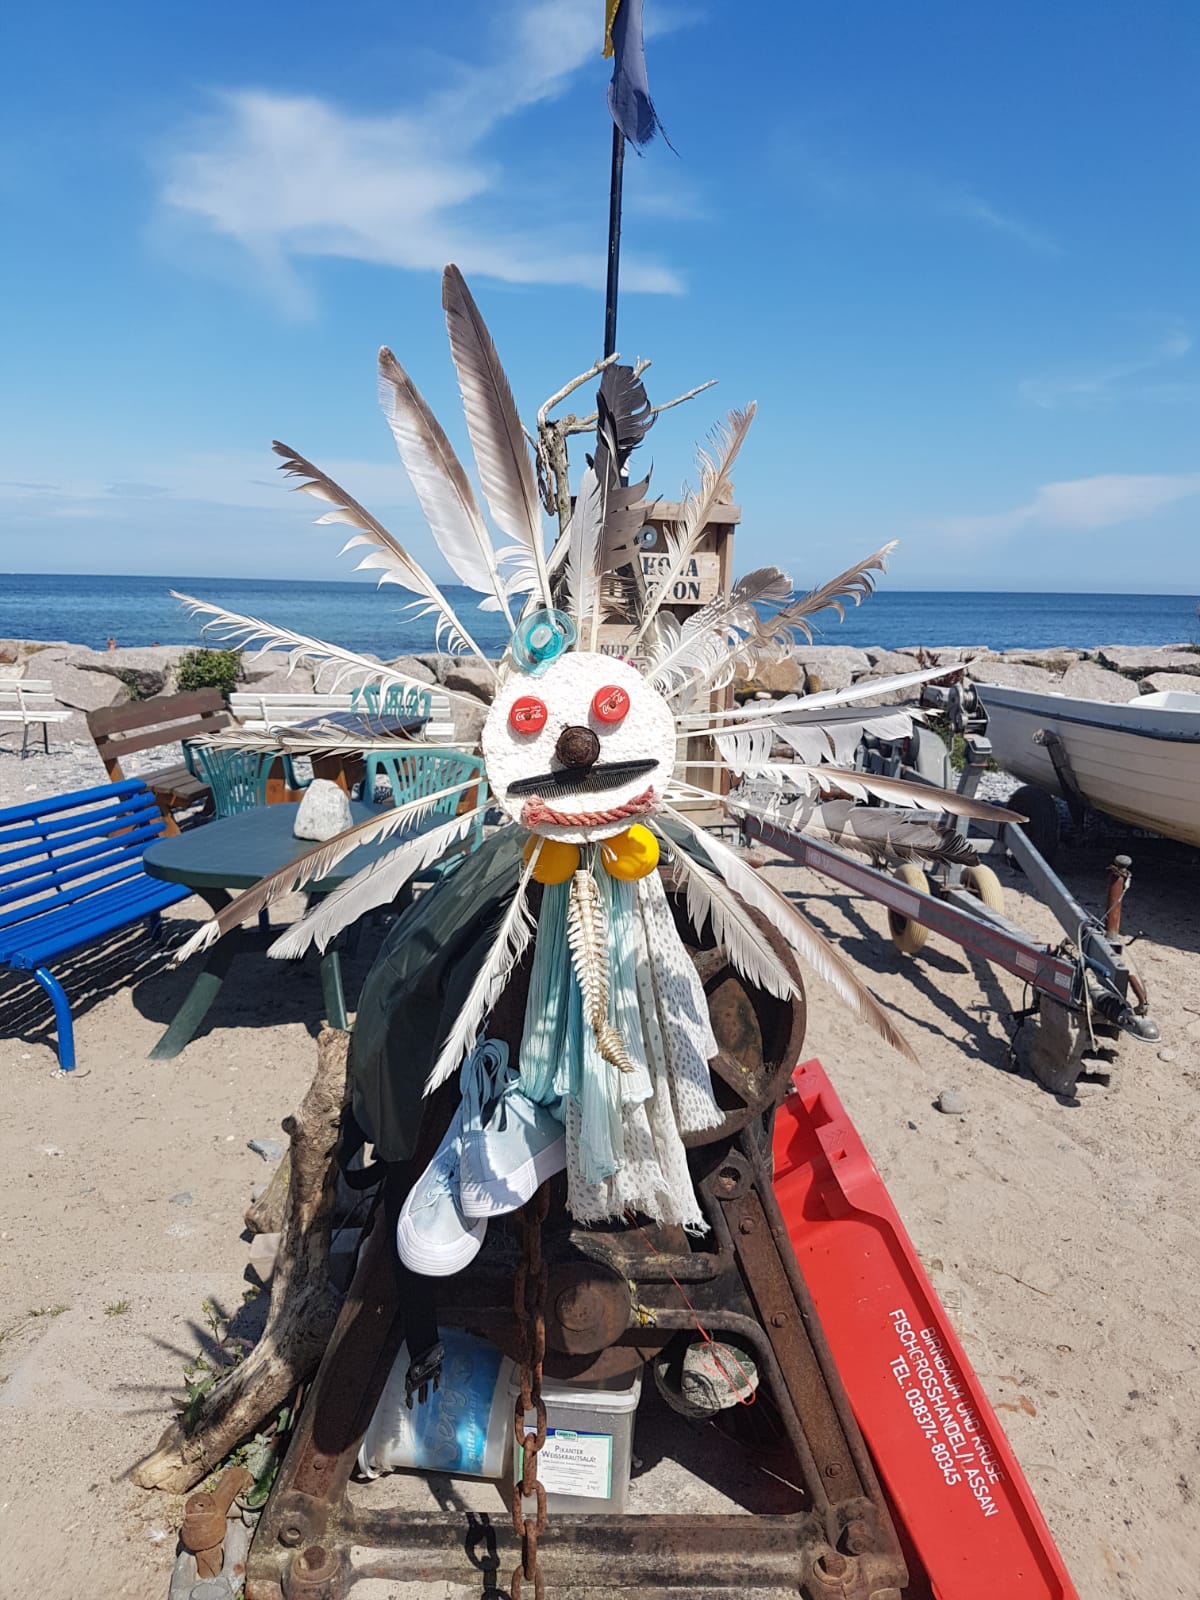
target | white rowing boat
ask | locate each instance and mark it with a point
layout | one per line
(1138, 762)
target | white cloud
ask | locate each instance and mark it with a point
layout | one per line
(285, 177)
(1106, 386)
(1083, 504)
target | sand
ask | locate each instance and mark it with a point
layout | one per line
(1060, 1236)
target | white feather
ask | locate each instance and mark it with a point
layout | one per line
(497, 437)
(440, 484)
(817, 953)
(243, 632)
(386, 554)
(376, 885)
(512, 937)
(313, 865)
(708, 899)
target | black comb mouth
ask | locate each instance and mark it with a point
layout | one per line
(592, 780)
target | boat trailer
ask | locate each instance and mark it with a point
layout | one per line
(1083, 987)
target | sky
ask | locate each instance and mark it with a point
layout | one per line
(951, 251)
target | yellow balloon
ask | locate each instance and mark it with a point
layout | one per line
(556, 862)
(630, 855)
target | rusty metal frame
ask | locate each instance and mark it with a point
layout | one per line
(313, 1544)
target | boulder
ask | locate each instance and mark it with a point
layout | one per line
(889, 697)
(9, 653)
(1012, 675)
(1086, 681)
(468, 675)
(779, 677)
(1053, 660)
(269, 675)
(415, 667)
(945, 652)
(74, 685)
(888, 663)
(836, 666)
(146, 670)
(1168, 683)
(1140, 660)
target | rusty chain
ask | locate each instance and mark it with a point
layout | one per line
(529, 1303)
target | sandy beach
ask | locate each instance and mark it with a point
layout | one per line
(1059, 1235)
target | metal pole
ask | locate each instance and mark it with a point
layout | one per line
(614, 240)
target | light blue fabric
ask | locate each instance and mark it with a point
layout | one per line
(559, 1058)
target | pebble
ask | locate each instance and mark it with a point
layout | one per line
(183, 1198)
(1166, 1055)
(268, 1149)
(952, 1103)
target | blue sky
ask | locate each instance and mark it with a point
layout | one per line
(950, 249)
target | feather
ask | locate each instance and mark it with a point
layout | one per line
(440, 484)
(497, 438)
(811, 707)
(583, 549)
(512, 936)
(311, 866)
(852, 585)
(716, 487)
(748, 948)
(623, 414)
(242, 632)
(812, 947)
(376, 885)
(850, 783)
(587, 940)
(711, 639)
(875, 831)
(317, 742)
(386, 554)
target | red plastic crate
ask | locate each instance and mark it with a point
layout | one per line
(945, 1463)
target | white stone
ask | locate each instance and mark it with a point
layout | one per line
(324, 811)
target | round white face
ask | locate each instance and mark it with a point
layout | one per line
(580, 752)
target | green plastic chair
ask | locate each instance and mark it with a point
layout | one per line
(365, 699)
(237, 778)
(414, 773)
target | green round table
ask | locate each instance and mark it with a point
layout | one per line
(234, 853)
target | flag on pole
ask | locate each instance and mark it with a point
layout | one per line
(629, 92)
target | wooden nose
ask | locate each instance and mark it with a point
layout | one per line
(577, 747)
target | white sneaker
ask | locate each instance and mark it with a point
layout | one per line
(432, 1235)
(510, 1144)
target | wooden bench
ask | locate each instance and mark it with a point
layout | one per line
(121, 731)
(29, 700)
(70, 873)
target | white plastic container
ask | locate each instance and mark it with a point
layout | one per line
(464, 1426)
(585, 1463)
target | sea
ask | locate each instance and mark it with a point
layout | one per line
(90, 610)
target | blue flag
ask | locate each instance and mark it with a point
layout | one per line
(629, 92)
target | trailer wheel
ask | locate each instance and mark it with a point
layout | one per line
(983, 883)
(908, 935)
(1043, 828)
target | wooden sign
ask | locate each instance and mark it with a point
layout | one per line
(696, 585)
(612, 639)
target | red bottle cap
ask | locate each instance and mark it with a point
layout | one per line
(610, 704)
(527, 715)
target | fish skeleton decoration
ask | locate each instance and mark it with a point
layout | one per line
(585, 753)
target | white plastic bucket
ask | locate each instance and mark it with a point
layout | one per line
(463, 1427)
(585, 1462)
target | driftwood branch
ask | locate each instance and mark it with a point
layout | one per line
(304, 1304)
(573, 424)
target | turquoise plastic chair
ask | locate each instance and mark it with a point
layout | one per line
(414, 773)
(237, 778)
(402, 702)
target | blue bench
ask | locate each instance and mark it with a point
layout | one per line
(70, 872)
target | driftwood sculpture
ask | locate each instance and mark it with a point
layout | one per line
(304, 1305)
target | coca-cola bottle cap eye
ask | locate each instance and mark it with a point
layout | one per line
(610, 704)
